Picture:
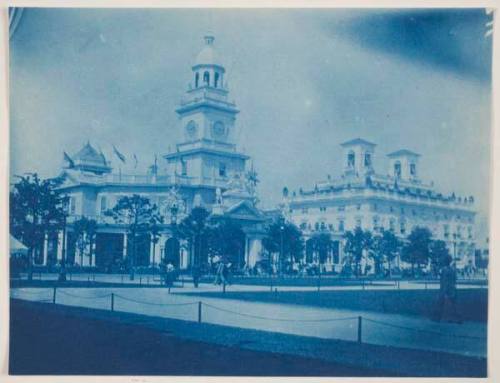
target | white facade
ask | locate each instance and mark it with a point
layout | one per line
(399, 202)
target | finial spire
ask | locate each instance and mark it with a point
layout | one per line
(209, 38)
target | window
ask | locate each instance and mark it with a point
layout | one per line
(216, 79)
(316, 226)
(351, 159)
(446, 229)
(413, 170)
(322, 208)
(206, 78)
(303, 225)
(397, 169)
(72, 205)
(358, 207)
(375, 207)
(196, 80)
(391, 209)
(222, 169)
(184, 168)
(323, 226)
(469, 232)
(341, 225)
(358, 222)
(392, 225)
(375, 223)
(341, 208)
(402, 227)
(103, 204)
(368, 160)
(304, 210)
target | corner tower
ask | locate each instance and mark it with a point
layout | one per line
(207, 155)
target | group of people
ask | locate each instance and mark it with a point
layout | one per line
(221, 270)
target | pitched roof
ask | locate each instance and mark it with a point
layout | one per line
(403, 153)
(89, 155)
(357, 141)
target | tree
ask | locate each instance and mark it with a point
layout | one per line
(227, 239)
(194, 228)
(386, 247)
(439, 256)
(356, 242)
(285, 239)
(138, 214)
(322, 244)
(36, 209)
(416, 250)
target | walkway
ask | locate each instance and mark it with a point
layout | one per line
(468, 338)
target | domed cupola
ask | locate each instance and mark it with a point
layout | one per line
(208, 69)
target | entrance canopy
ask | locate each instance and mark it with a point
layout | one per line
(17, 247)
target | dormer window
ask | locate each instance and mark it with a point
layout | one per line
(351, 160)
(368, 160)
(196, 80)
(413, 170)
(397, 169)
(206, 78)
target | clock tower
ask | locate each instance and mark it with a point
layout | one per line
(207, 156)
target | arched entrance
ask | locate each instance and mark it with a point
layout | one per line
(172, 252)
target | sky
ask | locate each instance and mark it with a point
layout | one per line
(304, 80)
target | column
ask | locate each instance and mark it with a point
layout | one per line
(45, 248)
(255, 249)
(59, 245)
(247, 253)
(125, 236)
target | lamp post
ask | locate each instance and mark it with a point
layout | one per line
(455, 249)
(282, 229)
(174, 209)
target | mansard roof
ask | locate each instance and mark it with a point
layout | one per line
(358, 141)
(403, 153)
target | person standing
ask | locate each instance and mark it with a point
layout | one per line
(448, 293)
(196, 275)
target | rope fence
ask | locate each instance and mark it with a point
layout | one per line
(200, 304)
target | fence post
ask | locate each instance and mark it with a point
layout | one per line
(224, 287)
(399, 285)
(122, 278)
(319, 283)
(426, 285)
(140, 281)
(359, 329)
(54, 295)
(363, 283)
(112, 301)
(199, 312)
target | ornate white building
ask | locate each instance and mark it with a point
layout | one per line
(396, 200)
(205, 169)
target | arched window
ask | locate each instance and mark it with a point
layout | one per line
(216, 79)
(397, 169)
(413, 170)
(368, 160)
(196, 80)
(350, 159)
(206, 78)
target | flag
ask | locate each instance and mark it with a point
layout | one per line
(136, 161)
(69, 160)
(118, 154)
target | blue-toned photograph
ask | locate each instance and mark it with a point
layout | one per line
(249, 192)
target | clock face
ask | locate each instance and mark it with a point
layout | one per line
(218, 130)
(191, 129)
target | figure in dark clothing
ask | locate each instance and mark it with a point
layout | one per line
(448, 293)
(196, 275)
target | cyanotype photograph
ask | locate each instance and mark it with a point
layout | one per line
(249, 192)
